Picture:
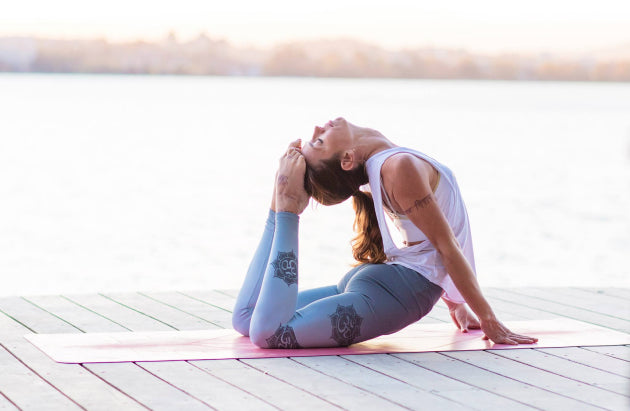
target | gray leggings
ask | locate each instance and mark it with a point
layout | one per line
(370, 300)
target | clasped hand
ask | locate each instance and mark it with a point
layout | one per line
(290, 194)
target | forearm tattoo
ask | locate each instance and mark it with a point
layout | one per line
(346, 325)
(285, 267)
(284, 337)
(418, 204)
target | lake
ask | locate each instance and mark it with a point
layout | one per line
(125, 183)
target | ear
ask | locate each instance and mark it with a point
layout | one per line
(347, 160)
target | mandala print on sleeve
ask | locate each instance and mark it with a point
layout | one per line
(346, 325)
(286, 267)
(284, 337)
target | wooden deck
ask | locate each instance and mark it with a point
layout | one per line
(573, 378)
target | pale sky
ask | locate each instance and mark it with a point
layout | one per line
(479, 25)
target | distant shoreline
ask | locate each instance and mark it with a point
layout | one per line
(334, 58)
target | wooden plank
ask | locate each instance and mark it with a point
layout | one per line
(113, 374)
(175, 318)
(34, 317)
(145, 382)
(120, 314)
(214, 298)
(564, 310)
(427, 319)
(262, 385)
(145, 387)
(5, 404)
(205, 386)
(435, 383)
(518, 311)
(75, 314)
(72, 380)
(568, 369)
(598, 295)
(621, 293)
(484, 379)
(233, 293)
(439, 313)
(379, 384)
(621, 352)
(19, 384)
(581, 300)
(344, 395)
(591, 358)
(209, 313)
(540, 378)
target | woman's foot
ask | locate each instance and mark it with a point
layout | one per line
(290, 194)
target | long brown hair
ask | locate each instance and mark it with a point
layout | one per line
(329, 184)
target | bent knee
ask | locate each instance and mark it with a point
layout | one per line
(259, 336)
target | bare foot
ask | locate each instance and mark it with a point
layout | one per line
(296, 144)
(290, 193)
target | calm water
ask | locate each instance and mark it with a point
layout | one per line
(159, 183)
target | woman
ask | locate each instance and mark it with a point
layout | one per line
(393, 286)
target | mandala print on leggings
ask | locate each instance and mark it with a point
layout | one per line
(346, 324)
(286, 267)
(284, 337)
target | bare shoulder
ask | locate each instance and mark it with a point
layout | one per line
(406, 178)
(405, 166)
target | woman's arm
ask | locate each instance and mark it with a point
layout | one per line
(406, 180)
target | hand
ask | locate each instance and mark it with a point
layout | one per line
(500, 334)
(463, 318)
(289, 189)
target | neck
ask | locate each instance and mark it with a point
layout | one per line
(369, 142)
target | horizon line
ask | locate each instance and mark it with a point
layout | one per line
(173, 36)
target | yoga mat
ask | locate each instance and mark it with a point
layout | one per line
(223, 344)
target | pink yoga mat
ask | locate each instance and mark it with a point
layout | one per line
(223, 344)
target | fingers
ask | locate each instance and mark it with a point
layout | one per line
(512, 339)
(293, 153)
(523, 339)
(454, 318)
(293, 148)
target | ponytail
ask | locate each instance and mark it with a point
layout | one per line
(329, 184)
(367, 246)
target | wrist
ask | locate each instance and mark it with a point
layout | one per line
(452, 306)
(488, 318)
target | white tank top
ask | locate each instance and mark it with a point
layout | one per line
(423, 257)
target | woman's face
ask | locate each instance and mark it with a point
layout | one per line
(333, 137)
